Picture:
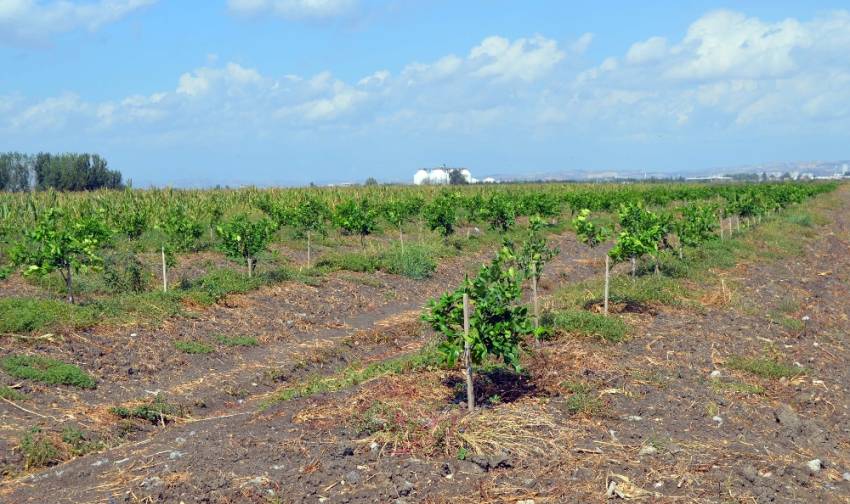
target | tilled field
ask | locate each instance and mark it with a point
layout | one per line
(687, 409)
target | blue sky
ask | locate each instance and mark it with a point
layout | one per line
(195, 92)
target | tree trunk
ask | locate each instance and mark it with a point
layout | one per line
(248, 260)
(467, 358)
(634, 268)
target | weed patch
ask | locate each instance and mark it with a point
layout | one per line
(46, 370)
(24, 315)
(193, 347)
(236, 341)
(39, 450)
(584, 323)
(764, 367)
(157, 411)
(11, 394)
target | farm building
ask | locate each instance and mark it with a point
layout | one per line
(442, 175)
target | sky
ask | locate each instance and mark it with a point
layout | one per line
(287, 92)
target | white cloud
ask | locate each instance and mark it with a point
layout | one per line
(35, 22)
(292, 9)
(523, 59)
(790, 75)
(648, 51)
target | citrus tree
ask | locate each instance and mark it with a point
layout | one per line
(309, 216)
(243, 238)
(397, 211)
(356, 217)
(441, 214)
(61, 243)
(497, 321)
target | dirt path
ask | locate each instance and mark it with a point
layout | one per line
(672, 419)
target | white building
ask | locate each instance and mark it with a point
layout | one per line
(441, 176)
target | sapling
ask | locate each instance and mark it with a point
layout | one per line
(441, 214)
(308, 217)
(592, 235)
(60, 243)
(356, 217)
(535, 253)
(497, 322)
(244, 238)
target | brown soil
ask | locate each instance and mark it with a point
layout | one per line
(654, 423)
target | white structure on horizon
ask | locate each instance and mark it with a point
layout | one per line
(440, 176)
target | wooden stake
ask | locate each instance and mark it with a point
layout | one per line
(534, 295)
(607, 276)
(467, 358)
(164, 272)
(401, 239)
(721, 229)
(308, 249)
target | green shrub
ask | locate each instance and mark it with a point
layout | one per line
(46, 370)
(193, 347)
(243, 341)
(124, 272)
(585, 323)
(416, 262)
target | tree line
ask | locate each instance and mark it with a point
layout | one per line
(20, 172)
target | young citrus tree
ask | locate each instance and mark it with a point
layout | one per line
(61, 243)
(497, 321)
(441, 214)
(500, 211)
(535, 253)
(397, 211)
(309, 216)
(592, 235)
(243, 238)
(356, 217)
(697, 225)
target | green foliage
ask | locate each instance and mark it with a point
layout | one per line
(697, 225)
(309, 215)
(356, 217)
(193, 347)
(500, 212)
(58, 242)
(441, 214)
(497, 323)
(124, 272)
(24, 315)
(243, 238)
(764, 367)
(46, 370)
(38, 449)
(397, 211)
(219, 283)
(587, 232)
(642, 233)
(181, 229)
(535, 252)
